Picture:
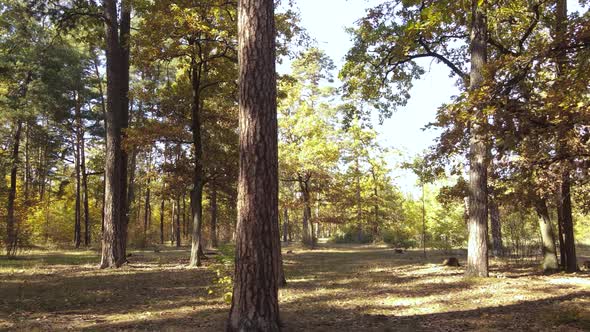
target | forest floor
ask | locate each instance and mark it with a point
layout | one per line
(332, 288)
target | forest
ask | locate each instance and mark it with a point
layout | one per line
(206, 165)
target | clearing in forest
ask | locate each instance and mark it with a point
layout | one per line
(332, 288)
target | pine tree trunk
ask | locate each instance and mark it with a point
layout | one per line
(117, 113)
(147, 215)
(547, 236)
(477, 251)
(11, 236)
(162, 220)
(77, 205)
(87, 230)
(213, 216)
(78, 137)
(497, 247)
(177, 216)
(255, 305)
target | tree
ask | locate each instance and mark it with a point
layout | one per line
(477, 249)
(383, 63)
(308, 151)
(117, 30)
(255, 304)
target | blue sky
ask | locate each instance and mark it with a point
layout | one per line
(325, 21)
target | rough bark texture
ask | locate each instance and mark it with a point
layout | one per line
(255, 305)
(477, 251)
(547, 236)
(11, 236)
(497, 246)
(568, 255)
(117, 109)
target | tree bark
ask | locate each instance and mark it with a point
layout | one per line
(147, 216)
(198, 180)
(178, 233)
(565, 200)
(213, 216)
(547, 236)
(117, 118)
(286, 225)
(477, 251)
(11, 236)
(497, 246)
(162, 220)
(77, 209)
(307, 236)
(255, 305)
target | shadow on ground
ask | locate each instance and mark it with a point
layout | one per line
(341, 288)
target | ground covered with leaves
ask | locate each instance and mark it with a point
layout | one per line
(332, 288)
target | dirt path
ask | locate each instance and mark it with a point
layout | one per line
(339, 288)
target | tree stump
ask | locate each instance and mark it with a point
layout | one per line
(451, 261)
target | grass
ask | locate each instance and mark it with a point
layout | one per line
(332, 288)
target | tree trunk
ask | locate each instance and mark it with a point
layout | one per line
(178, 233)
(198, 181)
(255, 305)
(565, 200)
(11, 236)
(77, 210)
(547, 236)
(117, 118)
(147, 216)
(184, 221)
(477, 251)
(162, 220)
(307, 236)
(213, 216)
(87, 230)
(285, 225)
(497, 247)
(359, 207)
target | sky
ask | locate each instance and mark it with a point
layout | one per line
(325, 21)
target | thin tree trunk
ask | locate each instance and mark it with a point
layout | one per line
(285, 225)
(87, 229)
(162, 220)
(497, 246)
(11, 236)
(547, 237)
(198, 180)
(147, 215)
(359, 207)
(307, 223)
(255, 305)
(78, 166)
(213, 216)
(477, 251)
(184, 219)
(178, 234)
